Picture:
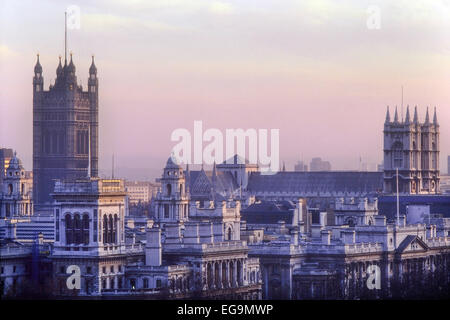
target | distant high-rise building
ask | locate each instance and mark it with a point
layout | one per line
(448, 165)
(65, 129)
(5, 156)
(318, 165)
(301, 166)
(412, 148)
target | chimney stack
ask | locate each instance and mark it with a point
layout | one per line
(153, 249)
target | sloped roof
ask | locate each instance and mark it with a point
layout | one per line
(410, 239)
(321, 181)
(201, 183)
(269, 212)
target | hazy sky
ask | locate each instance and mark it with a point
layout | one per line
(313, 69)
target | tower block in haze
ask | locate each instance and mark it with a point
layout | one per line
(65, 129)
(412, 147)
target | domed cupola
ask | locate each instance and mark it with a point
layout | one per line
(172, 162)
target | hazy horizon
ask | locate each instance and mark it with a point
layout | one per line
(312, 69)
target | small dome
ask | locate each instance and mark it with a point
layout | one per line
(38, 67)
(15, 163)
(172, 162)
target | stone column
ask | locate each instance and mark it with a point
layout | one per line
(234, 282)
(220, 285)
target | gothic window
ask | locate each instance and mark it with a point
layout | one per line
(69, 230)
(397, 150)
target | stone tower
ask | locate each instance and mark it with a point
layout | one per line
(413, 148)
(65, 129)
(172, 202)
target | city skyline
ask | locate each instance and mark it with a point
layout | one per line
(227, 68)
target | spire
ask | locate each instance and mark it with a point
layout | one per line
(284, 166)
(71, 66)
(407, 117)
(396, 115)
(435, 122)
(38, 67)
(416, 117)
(65, 39)
(93, 68)
(427, 117)
(59, 69)
(388, 116)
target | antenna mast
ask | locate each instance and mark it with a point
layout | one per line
(89, 152)
(402, 103)
(65, 38)
(398, 202)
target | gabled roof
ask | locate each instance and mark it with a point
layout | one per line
(201, 183)
(408, 241)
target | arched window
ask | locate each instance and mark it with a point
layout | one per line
(105, 229)
(77, 229)
(229, 234)
(169, 189)
(10, 189)
(69, 230)
(85, 229)
(110, 229)
(23, 188)
(115, 228)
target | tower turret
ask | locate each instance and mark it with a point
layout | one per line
(38, 80)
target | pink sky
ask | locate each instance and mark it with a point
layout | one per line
(310, 68)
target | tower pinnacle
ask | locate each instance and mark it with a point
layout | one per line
(416, 117)
(407, 117)
(427, 118)
(396, 115)
(435, 122)
(388, 116)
